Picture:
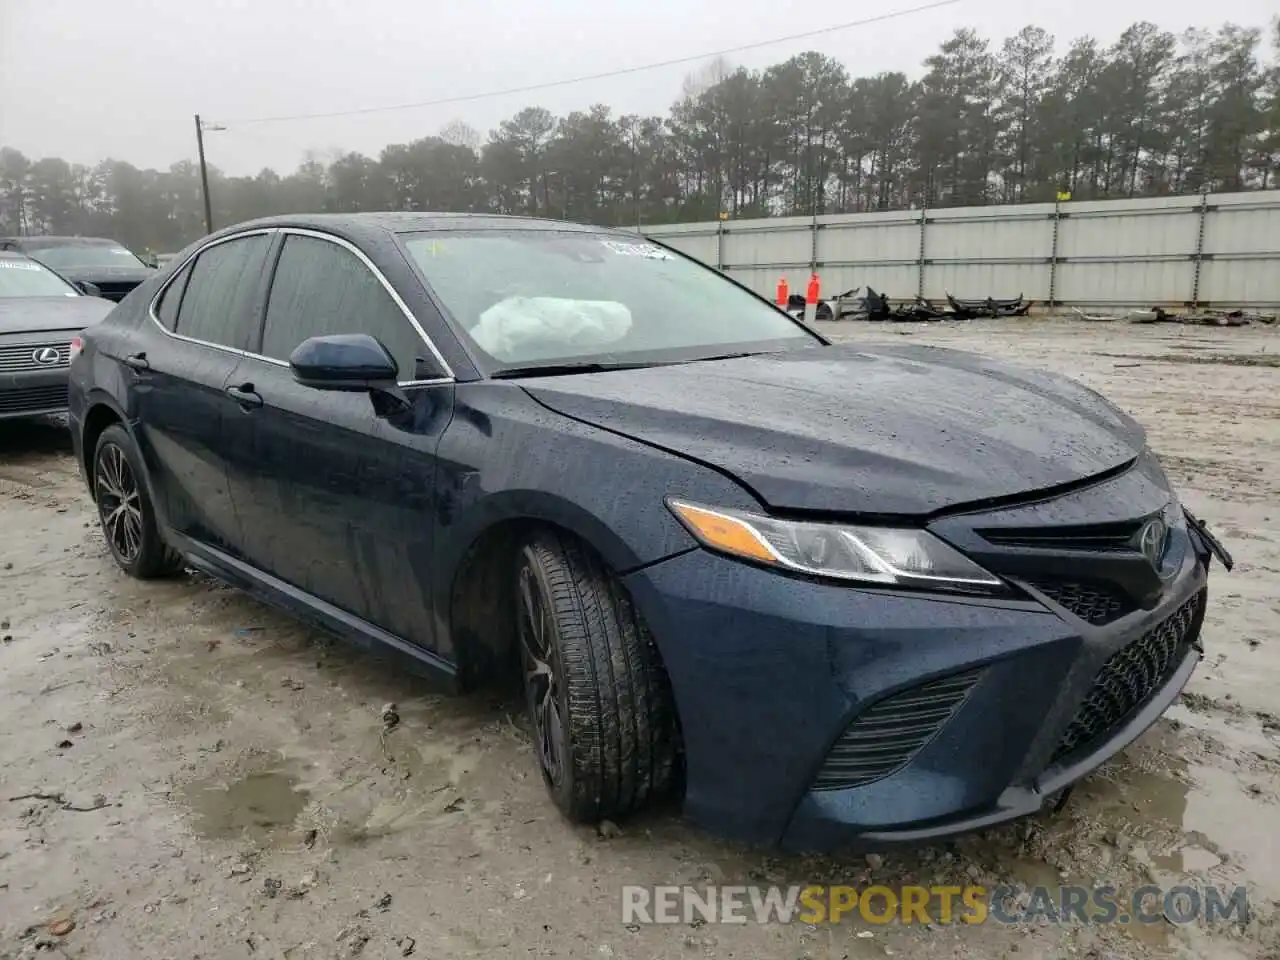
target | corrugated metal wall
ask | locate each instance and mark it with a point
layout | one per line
(1212, 250)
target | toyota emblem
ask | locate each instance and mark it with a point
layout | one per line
(45, 355)
(1152, 541)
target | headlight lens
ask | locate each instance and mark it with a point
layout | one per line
(893, 557)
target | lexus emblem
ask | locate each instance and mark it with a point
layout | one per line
(1152, 541)
(45, 355)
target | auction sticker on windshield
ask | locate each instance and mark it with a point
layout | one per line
(17, 265)
(648, 250)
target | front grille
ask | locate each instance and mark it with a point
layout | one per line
(1100, 537)
(1130, 677)
(1095, 603)
(33, 399)
(21, 358)
(885, 736)
(115, 291)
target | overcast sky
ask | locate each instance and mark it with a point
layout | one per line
(90, 79)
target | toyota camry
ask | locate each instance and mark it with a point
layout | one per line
(831, 594)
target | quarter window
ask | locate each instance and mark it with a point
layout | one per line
(167, 306)
(321, 288)
(221, 293)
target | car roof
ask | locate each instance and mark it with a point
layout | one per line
(371, 224)
(14, 255)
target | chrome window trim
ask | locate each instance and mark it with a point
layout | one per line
(155, 318)
(449, 377)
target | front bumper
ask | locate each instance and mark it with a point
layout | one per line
(769, 672)
(33, 394)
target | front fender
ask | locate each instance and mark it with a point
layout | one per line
(505, 458)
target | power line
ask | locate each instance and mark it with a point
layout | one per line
(466, 98)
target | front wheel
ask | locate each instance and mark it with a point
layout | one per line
(124, 508)
(605, 730)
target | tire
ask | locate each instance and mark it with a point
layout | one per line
(125, 513)
(617, 736)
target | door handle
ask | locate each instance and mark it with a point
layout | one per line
(245, 395)
(137, 361)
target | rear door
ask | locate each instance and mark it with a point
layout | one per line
(209, 313)
(339, 501)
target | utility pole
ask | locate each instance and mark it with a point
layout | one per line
(204, 173)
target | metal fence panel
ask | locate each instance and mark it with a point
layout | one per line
(775, 246)
(1216, 249)
(1124, 283)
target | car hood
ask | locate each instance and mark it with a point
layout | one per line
(107, 274)
(30, 314)
(884, 430)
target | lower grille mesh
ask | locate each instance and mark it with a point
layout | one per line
(1130, 677)
(1095, 603)
(115, 291)
(884, 737)
(33, 398)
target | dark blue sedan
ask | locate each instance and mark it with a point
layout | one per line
(834, 594)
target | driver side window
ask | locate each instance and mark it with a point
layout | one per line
(321, 288)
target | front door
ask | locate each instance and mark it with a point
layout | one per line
(177, 385)
(339, 500)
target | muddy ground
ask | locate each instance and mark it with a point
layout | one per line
(185, 773)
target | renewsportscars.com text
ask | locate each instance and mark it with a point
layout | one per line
(817, 904)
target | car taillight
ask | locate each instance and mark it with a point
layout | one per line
(76, 346)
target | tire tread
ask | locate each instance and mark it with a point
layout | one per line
(621, 718)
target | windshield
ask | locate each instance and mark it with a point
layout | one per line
(26, 278)
(85, 255)
(545, 297)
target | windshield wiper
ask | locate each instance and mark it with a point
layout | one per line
(560, 369)
(726, 356)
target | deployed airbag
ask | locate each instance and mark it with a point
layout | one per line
(526, 328)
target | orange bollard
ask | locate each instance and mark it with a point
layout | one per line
(783, 293)
(811, 300)
(811, 294)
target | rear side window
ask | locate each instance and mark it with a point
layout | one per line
(321, 288)
(221, 292)
(167, 305)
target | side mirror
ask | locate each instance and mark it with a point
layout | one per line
(348, 362)
(88, 289)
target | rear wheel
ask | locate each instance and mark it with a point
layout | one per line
(605, 731)
(124, 508)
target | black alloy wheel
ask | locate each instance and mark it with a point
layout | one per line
(124, 508)
(543, 693)
(119, 503)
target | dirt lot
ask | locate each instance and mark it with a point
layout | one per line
(184, 773)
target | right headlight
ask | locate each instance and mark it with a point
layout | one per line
(888, 556)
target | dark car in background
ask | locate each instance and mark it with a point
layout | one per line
(41, 318)
(112, 268)
(835, 593)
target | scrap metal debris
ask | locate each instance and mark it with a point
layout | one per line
(876, 307)
(1093, 317)
(990, 307)
(1204, 318)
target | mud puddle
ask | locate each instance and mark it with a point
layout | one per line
(258, 806)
